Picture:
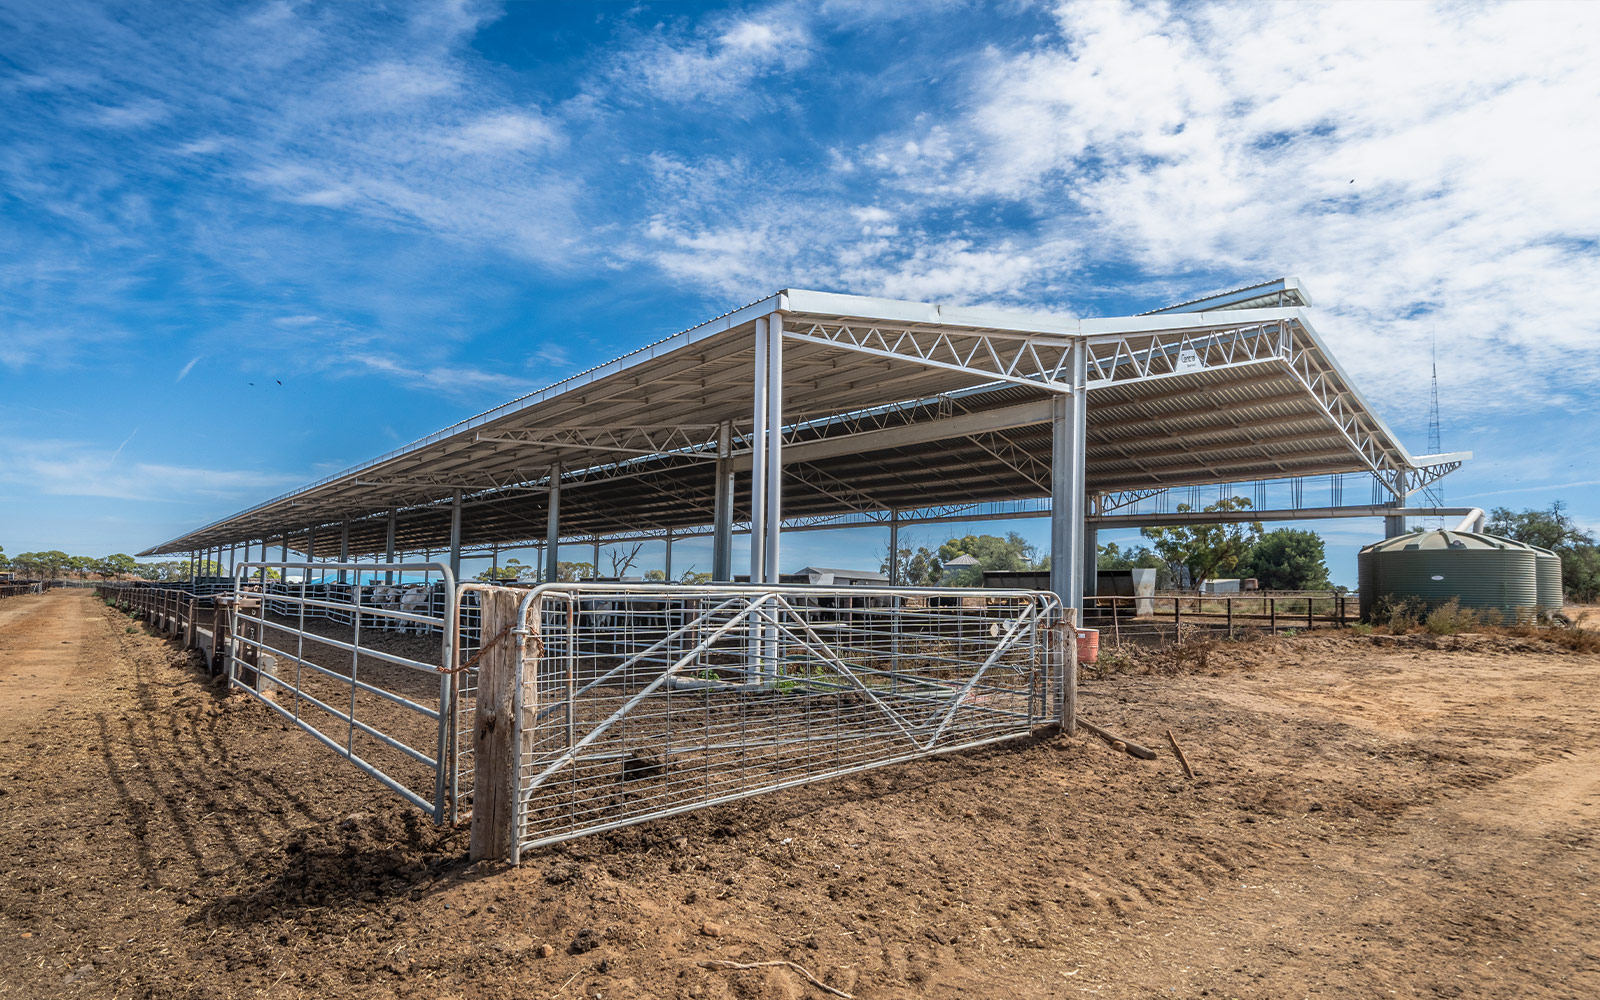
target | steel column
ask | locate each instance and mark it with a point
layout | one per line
(344, 546)
(596, 571)
(388, 576)
(774, 445)
(722, 542)
(758, 460)
(455, 535)
(894, 548)
(552, 527)
(667, 570)
(1396, 525)
(1091, 560)
(1069, 426)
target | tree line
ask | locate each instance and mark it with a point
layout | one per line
(1182, 555)
(53, 564)
(1553, 529)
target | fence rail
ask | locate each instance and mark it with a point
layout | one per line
(20, 588)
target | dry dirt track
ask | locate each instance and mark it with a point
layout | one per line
(1372, 818)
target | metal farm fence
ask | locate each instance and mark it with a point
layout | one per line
(630, 703)
(1169, 617)
(596, 706)
(366, 674)
(174, 610)
(18, 589)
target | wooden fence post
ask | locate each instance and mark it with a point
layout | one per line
(1311, 620)
(189, 625)
(249, 655)
(495, 759)
(221, 624)
(1272, 610)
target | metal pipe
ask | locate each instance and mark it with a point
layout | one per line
(1474, 521)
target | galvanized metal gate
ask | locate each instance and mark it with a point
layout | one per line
(639, 702)
(363, 662)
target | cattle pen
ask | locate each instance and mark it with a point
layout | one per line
(558, 709)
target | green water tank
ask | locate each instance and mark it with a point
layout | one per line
(1547, 567)
(1481, 571)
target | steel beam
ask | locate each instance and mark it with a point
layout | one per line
(922, 432)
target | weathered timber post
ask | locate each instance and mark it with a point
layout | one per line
(495, 758)
(1311, 621)
(221, 626)
(189, 626)
(249, 655)
(1272, 613)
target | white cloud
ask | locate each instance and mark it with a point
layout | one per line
(718, 61)
(454, 379)
(78, 468)
(501, 131)
(184, 372)
(134, 114)
(1467, 132)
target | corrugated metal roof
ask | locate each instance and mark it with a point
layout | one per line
(1256, 421)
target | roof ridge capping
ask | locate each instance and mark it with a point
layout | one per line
(1286, 291)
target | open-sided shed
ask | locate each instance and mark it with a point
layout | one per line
(813, 408)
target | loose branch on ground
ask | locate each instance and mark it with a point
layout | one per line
(1128, 747)
(1183, 760)
(718, 963)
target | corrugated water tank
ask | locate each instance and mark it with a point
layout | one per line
(1481, 571)
(1547, 567)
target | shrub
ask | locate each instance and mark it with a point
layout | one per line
(1449, 618)
(1360, 628)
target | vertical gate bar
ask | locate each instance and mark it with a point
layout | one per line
(447, 678)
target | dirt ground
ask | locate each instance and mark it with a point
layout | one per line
(1372, 816)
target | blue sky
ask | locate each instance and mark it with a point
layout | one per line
(406, 214)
